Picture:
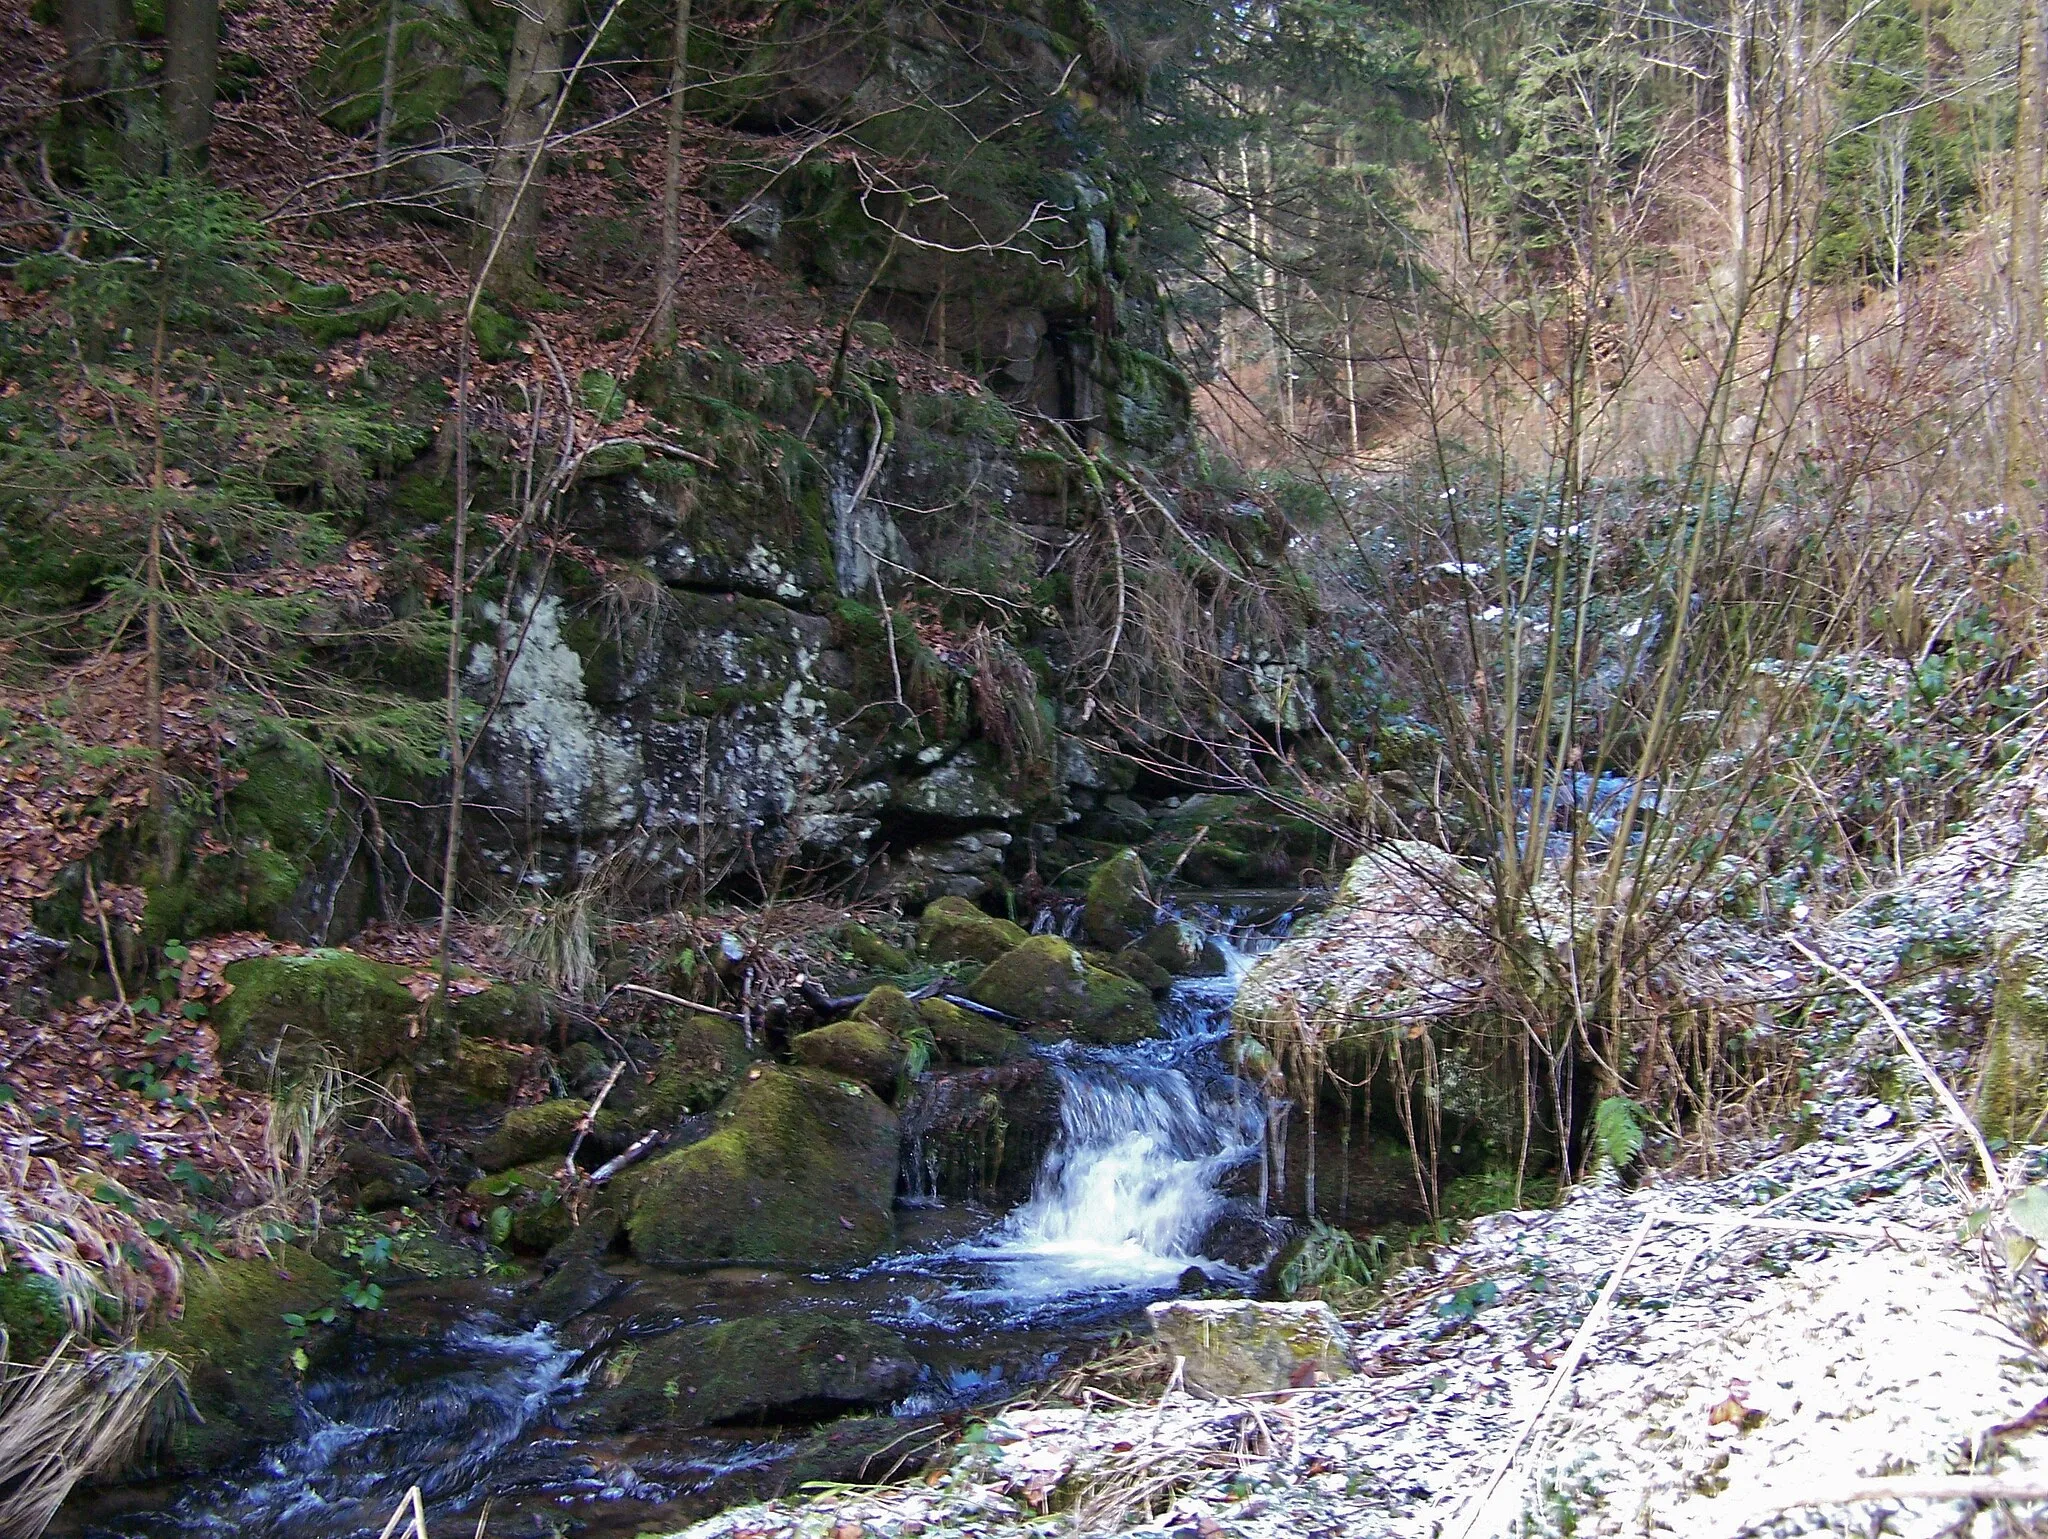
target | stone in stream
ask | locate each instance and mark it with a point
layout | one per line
(859, 1049)
(966, 1040)
(801, 1169)
(755, 1371)
(981, 1135)
(1047, 982)
(1245, 1347)
(1119, 905)
(1184, 950)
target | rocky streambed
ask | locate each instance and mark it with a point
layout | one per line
(746, 1313)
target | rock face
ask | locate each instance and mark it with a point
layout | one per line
(980, 1136)
(1244, 1347)
(801, 1171)
(1047, 982)
(756, 1371)
(289, 1012)
(2013, 1089)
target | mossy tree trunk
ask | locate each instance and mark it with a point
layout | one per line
(512, 196)
(104, 86)
(671, 273)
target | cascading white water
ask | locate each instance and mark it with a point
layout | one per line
(1147, 1134)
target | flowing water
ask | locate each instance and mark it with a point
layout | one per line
(1151, 1140)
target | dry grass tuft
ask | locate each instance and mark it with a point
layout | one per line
(74, 1416)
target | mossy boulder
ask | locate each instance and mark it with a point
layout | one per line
(1119, 906)
(446, 69)
(31, 1313)
(1245, 1347)
(289, 1012)
(705, 1057)
(536, 1218)
(873, 952)
(2012, 1091)
(802, 1170)
(889, 1008)
(530, 1132)
(966, 1040)
(755, 1371)
(862, 1050)
(1047, 982)
(236, 1348)
(980, 1135)
(954, 930)
(511, 1012)
(1139, 968)
(479, 1074)
(1184, 951)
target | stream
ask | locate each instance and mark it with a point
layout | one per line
(448, 1389)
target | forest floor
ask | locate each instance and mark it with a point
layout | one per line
(1791, 1343)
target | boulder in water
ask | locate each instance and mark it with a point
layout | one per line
(757, 1371)
(1246, 1347)
(1243, 1237)
(1184, 951)
(801, 1169)
(981, 1136)
(1137, 967)
(954, 930)
(1047, 982)
(1119, 905)
(966, 1040)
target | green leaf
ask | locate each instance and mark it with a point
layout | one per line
(2029, 1213)
(121, 1145)
(299, 1359)
(501, 1224)
(154, 1035)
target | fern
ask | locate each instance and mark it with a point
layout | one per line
(1617, 1131)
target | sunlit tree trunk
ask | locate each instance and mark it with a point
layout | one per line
(2024, 380)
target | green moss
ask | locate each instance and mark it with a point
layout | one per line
(532, 1196)
(859, 1049)
(968, 1040)
(516, 1012)
(293, 1011)
(529, 1132)
(441, 53)
(871, 951)
(954, 930)
(236, 1348)
(1140, 968)
(705, 1057)
(1119, 906)
(31, 1313)
(802, 1170)
(1046, 981)
(497, 334)
(889, 1008)
(2012, 1089)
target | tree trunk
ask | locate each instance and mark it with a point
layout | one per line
(103, 80)
(191, 68)
(2024, 381)
(1737, 112)
(387, 90)
(672, 186)
(512, 196)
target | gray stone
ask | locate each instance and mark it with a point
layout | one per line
(1245, 1347)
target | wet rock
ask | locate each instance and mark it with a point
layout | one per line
(954, 930)
(1235, 841)
(1243, 1237)
(1139, 968)
(757, 1371)
(530, 1132)
(966, 1040)
(480, 1074)
(1184, 951)
(384, 1180)
(576, 1281)
(801, 1169)
(705, 1057)
(861, 1050)
(289, 1013)
(1119, 905)
(980, 1136)
(236, 1347)
(1245, 1347)
(1047, 982)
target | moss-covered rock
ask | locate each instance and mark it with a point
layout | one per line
(801, 1170)
(2012, 1091)
(446, 69)
(30, 1312)
(511, 1012)
(479, 1074)
(530, 1132)
(536, 1218)
(966, 1040)
(1119, 906)
(954, 930)
(873, 952)
(236, 1348)
(889, 1008)
(288, 1012)
(1184, 951)
(1245, 1347)
(862, 1050)
(1139, 968)
(705, 1058)
(749, 1372)
(980, 1135)
(1045, 981)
